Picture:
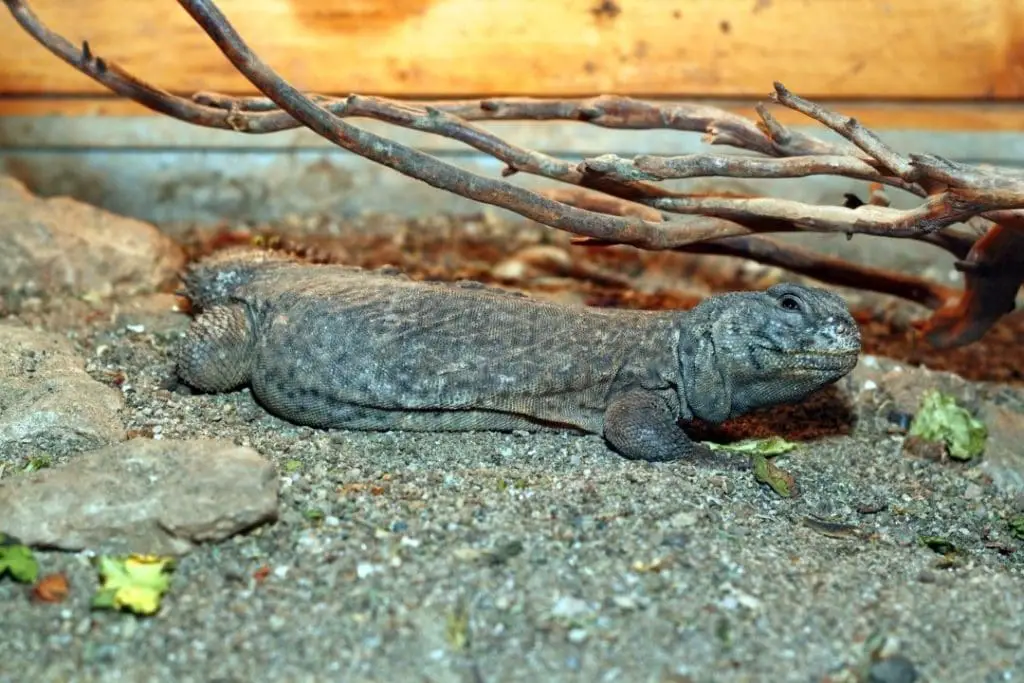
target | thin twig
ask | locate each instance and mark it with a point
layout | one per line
(790, 257)
(850, 129)
(606, 111)
(517, 159)
(602, 203)
(937, 212)
(648, 167)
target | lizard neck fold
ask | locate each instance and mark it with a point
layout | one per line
(705, 388)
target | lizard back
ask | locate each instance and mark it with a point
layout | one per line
(395, 344)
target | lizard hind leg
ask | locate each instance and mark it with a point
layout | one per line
(216, 353)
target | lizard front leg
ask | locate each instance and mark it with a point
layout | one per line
(640, 426)
(216, 352)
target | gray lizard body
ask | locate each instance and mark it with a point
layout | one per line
(340, 347)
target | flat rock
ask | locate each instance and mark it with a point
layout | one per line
(49, 405)
(51, 246)
(143, 496)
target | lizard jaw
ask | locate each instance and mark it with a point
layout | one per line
(826, 361)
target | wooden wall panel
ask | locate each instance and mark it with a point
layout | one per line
(934, 49)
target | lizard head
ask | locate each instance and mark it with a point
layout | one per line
(769, 347)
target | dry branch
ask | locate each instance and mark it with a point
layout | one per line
(648, 167)
(607, 111)
(624, 204)
(937, 212)
(851, 130)
(772, 253)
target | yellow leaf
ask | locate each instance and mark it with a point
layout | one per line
(137, 599)
(135, 583)
(771, 446)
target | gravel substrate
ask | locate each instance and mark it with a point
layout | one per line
(543, 557)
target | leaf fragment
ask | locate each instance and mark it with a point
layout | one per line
(40, 462)
(457, 628)
(771, 446)
(1017, 527)
(51, 588)
(780, 481)
(940, 419)
(17, 560)
(951, 557)
(135, 583)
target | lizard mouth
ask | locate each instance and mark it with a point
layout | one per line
(848, 352)
(826, 359)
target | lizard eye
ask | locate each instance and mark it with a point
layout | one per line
(790, 302)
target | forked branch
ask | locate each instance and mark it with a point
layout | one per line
(618, 201)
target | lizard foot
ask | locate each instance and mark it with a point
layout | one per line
(640, 426)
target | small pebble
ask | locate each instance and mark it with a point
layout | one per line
(577, 635)
(895, 669)
(973, 492)
(625, 602)
(568, 607)
(365, 569)
(128, 628)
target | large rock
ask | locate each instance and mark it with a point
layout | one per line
(1004, 450)
(62, 246)
(888, 393)
(904, 386)
(142, 496)
(48, 403)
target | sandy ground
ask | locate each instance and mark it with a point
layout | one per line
(514, 557)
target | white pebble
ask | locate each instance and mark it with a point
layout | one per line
(577, 635)
(365, 569)
(624, 602)
(569, 607)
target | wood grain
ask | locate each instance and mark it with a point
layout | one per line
(940, 49)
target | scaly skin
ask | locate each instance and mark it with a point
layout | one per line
(340, 347)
